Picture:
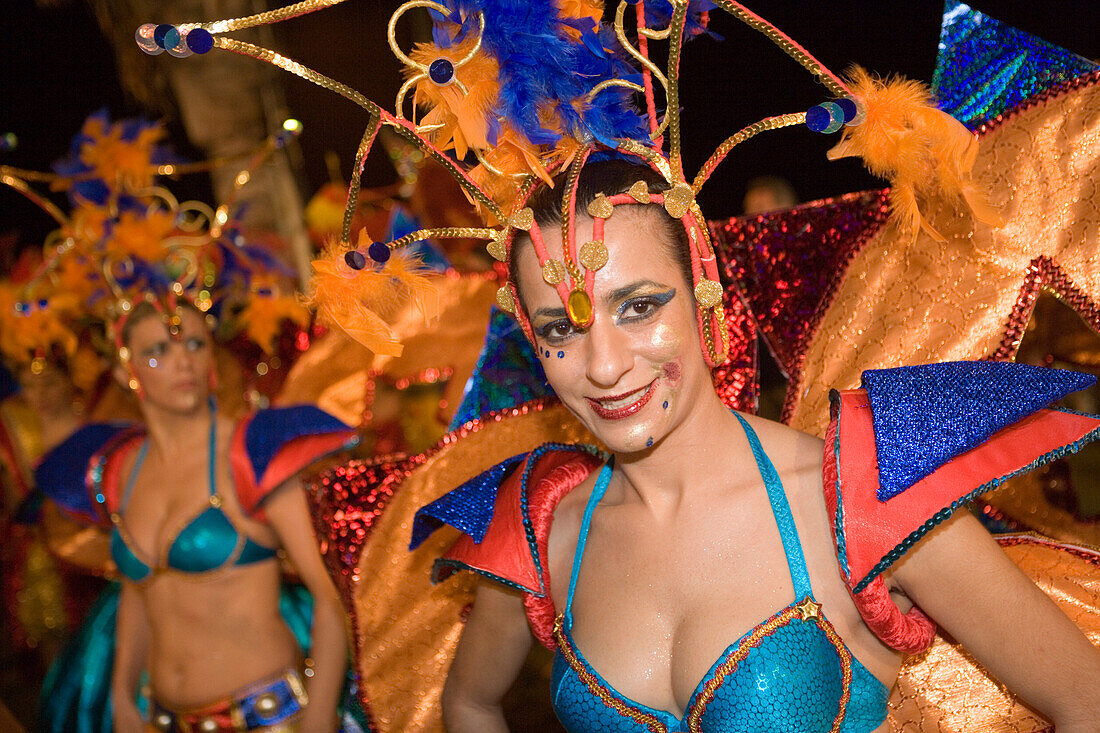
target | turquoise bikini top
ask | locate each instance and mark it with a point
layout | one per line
(792, 672)
(208, 542)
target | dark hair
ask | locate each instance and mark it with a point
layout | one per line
(144, 309)
(608, 177)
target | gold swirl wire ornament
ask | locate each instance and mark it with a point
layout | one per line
(679, 200)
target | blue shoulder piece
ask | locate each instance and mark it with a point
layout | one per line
(61, 474)
(985, 67)
(508, 372)
(269, 430)
(926, 415)
(469, 508)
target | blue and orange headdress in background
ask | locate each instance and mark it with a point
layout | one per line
(526, 91)
(127, 240)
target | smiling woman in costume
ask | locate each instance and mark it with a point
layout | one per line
(696, 568)
(692, 568)
(199, 503)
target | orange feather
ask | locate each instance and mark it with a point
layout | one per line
(358, 302)
(921, 150)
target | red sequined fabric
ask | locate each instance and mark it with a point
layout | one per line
(784, 266)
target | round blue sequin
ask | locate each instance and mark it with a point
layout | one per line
(441, 71)
(836, 117)
(561, 354)
(665, 405)
(649, 443)
(199, 40)
(848, 107)
(379, 252)
(355, 259)
(166, 35)
(818, 118)
(546, 354)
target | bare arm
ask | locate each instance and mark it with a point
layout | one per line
(131, 656)
(490, 655)
(288, 515)
(960, 577)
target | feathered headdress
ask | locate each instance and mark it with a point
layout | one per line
(128, 240)
(527, 90)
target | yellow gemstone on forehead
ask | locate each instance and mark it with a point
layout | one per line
(600, 207)
(593, 255)
(553, 272)
(505, 299)
(639, 192)
(523, 219)
(708, 293)
(678, 200)
(579, 308)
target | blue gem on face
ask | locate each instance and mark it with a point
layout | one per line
(561, 354)
(546, 353)
(441, 71)
(665, 405)
(199, 40)
(355, 259)
(379, 252)
(649, 443)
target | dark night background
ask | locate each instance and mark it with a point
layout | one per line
(58, 68)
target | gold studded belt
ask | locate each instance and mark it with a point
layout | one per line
(269, 704)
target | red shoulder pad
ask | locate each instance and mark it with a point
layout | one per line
(255, 482)
(513, 551)
(871, 534)
(105, 479)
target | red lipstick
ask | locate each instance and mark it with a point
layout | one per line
(619, 412)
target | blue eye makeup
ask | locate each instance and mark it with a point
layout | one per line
(644, 306)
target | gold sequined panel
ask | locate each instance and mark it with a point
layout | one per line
(334, 372)
(407, 629)
(946, 691)
(1062, 499)
(930, 301)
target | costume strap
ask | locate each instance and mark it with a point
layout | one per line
(597, 494)
(781, 510)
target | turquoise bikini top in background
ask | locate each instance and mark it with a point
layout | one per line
(208, 542)
(792, 672)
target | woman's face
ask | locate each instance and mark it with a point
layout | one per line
(173, 370)
(631, 376)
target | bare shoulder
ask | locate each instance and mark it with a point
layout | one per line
(792, 451)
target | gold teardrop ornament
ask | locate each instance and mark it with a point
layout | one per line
(496, 249)
(593, 255)
(505, 299)
(600, 207)
(553, 272)
(523, 219)
(678, 200)
(579, 308)
(708, 293)
(639, 192)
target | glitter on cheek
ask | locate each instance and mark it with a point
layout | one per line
(649, 442)
(671, 371)
(561, 354)
(665, 404)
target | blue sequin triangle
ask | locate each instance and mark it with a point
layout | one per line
(508, 373)
(926, 415)
(985, 67)
(469, 508)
